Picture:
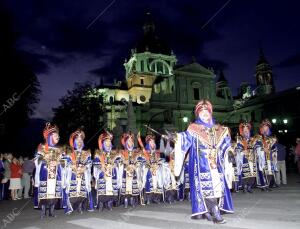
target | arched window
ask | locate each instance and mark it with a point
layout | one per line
(196, 94)
(160, 67)
(111, 99)
(196, 90)
(142, 66)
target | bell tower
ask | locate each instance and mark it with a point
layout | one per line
(222, 88)
(149, 59)
(264, 76)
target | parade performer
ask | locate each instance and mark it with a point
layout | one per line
(236, 170)
(208, 145)
(105, 173)
(129, 190)
(48, 171)
(77, 188)
(154, 181)
(169, 181)
(245, 157)
(266, 151)
(81, 166)
(141, 172)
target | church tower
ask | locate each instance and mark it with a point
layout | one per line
(264, 76)
(150, 59)
(222, 88)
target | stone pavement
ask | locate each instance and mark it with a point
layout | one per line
(277, 209)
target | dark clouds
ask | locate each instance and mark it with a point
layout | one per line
(291, 61)
(40, 62)
(62, 25)
(56, 42)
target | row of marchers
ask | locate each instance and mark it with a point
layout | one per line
(64, 177)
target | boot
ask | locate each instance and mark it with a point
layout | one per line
(90, 202)
(217, 215)
(68, 209)
(245, 188)
(43, 211)
(148, 200)
(80, 208)
(51, 211)
(132, 202)
(189, 196)
(249, 189)
(170, 199)
(269, 189)
(207, 216)
(196, 217)
(126, 202)
(100, 206)
(155, 199)
(109, 205)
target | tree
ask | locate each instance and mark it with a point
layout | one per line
(19, 89)
(77, 110)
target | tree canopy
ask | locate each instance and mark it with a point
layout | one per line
(19, 89)
(78, 110)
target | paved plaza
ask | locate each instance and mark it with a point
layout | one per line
(277, 209)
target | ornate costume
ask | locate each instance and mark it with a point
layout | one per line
(141, 172)
(208, 146)
(235, 174)
(129, 190)
(154, 180)
(266, 151)
(105, 173)
(245, 157)
(77, 184)
(48, 171)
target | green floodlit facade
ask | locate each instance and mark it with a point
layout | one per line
(161, 93)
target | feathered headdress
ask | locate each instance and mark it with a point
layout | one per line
(103, 137)
(78, 133)
(125, 137)
(74, 135)
(263, 123)
(201, 105)
(244, 124)
(48, 130)
(149, 137)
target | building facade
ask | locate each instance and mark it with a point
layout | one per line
(161, 93)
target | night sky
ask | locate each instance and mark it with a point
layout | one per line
(63, 42)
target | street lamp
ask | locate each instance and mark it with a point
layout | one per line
(285, 121)
(185, 119)
(274, 120)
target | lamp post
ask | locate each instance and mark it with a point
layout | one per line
(280, 125)
(185, 119)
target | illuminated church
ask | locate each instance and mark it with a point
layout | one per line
(159, 92)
